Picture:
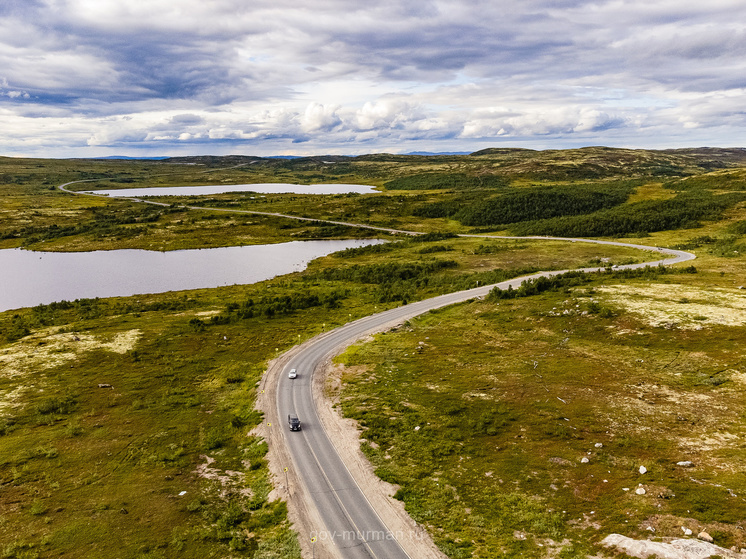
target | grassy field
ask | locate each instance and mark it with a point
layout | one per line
(127, 426)
(517, 426)
(127, 423)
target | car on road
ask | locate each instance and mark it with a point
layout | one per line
(293, 422)
(293, 373)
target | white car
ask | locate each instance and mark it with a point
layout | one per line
(293, 373)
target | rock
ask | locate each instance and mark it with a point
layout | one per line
(643, 469)
(104, 385)
(417, 428)
(705, 537)
(676, 549)
(584, 460)
(685, 464)
(687, 531)
(640, 491)
(599, 445)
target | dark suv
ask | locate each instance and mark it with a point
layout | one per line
(294, 422)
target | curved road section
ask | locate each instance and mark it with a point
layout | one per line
(344, 519)
(328, 507)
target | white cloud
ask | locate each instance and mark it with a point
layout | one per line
(320, 118)
(351, 75)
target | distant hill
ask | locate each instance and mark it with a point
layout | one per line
(128, 158)
(588, 163)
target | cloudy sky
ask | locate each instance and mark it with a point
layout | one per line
(81, 78)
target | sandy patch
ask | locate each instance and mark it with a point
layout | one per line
(208, 313)
(682, 305)
(12, 398)
(44, 350)
(230, 481)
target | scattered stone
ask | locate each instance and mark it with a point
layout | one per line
(687, 531)
(650, 529)
(705, 537)
(584, 460)
(417, 428)
(104, 385)
(640, 491)
(643, 469)
(599, 445)
(676, 549)
(685, 464)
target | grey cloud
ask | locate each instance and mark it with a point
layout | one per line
(186, 119)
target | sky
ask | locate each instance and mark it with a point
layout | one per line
(93, 78)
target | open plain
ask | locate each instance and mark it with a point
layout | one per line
(530, 423)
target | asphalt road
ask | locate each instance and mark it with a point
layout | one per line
(351, 522)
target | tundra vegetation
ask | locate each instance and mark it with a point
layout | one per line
(513, 427)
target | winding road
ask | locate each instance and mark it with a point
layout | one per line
(331, 512)
(347, 521)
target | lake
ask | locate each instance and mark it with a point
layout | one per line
(32, 278)
(264, 188)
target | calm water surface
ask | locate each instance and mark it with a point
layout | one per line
(265, 188)
(31, 278)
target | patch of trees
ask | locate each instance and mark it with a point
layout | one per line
(446, 181)
(104, 222)
(575, 278)
(391, 247)
(382, 248)
(323, 230)
(517, 205)
(386, 272)
(21, 324)
(269, 307)
(544, 203)
(685, 211)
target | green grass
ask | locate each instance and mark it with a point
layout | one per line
(508, 395)
(98, 445)
(485, 433)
